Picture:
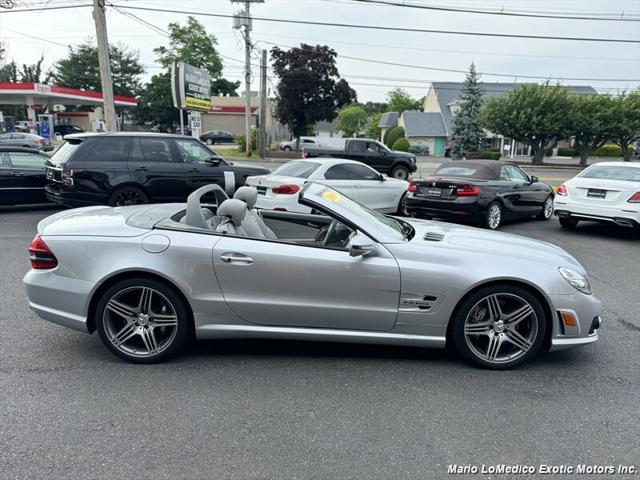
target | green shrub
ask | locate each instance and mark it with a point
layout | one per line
(392, 135)
(401, 145)
(242, 141)
(419, 149)
(492, 154)
(567, 152)
(609, 151)
(547, 152)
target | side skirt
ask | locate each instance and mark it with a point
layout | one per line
(318, 334)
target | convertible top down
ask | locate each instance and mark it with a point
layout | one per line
(221, 269)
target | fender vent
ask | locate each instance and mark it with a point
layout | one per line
(433, 236)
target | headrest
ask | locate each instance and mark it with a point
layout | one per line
(234, 209)
(248, 195)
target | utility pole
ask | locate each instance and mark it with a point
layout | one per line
(109, 111)
(244, 19)
(263, 105)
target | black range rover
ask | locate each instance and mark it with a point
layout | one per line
(120, 169)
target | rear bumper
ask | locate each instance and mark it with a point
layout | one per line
(460, 208)
(56, 194)
(627, 215)
(57, 299)
(622, 220)
(288, 203)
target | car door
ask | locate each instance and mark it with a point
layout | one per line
(525, 199)
(28, 174)
(370, 190)
(7, 181)
(377, 156)
(290, 285)
(204, 167)
(155, 165)
(339, 177)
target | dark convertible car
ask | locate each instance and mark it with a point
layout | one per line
(21, 176)
(484, 192)
(120, 169)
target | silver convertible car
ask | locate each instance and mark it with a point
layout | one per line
(148, 277)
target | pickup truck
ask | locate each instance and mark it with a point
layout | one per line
(371, 152)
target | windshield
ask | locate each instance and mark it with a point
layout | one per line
(297, 169)
(64, 152)
(610, 172)
(355, 211)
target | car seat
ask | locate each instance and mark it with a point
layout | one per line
(253, 223)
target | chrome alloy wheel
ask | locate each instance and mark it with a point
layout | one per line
(140, 321)
(548, 208)
(494, 216)
(500, 328)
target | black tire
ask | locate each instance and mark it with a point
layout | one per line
(568, 222)
(400, 172)
(287, 148)
(402, 207)
(209, 141)
(175, 342)
(470, 346)
(127, 195)
(490, 220)
(546, 213)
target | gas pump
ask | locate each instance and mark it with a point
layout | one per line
(45, 126)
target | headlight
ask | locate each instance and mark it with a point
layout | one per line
(576, 280)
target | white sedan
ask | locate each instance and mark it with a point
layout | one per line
(607, 192)
(279, 190)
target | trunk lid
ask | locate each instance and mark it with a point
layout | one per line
(601, 191)
(444, 188)
(264, 183)
(92, 221)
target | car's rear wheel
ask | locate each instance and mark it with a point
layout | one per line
(547, 209)
(493, 217)
(400, 172)
(568, 222)
(142, 320)
(209, 141)
(499, 326)
(287, 149)
(128, 195)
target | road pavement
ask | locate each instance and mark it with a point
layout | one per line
(275, 409)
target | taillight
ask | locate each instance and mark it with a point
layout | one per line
(286, 189)
(562, 190)
(303, 155)
(41, 257)
(39, 142)
(635, 198)
(467, 191)
(412, 188)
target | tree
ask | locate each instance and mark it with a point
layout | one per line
(81, 69)
(375, 107)
(625, 128)
(351, 120)
(468, 134)
(224, 87)
(535, 115)
(590, 119)
(399, 100)
(310, 89)
(392, 135)
(155, 103)
(373, 131)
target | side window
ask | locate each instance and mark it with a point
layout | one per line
(504, 175)
(26, 160)
(337, 172)
(151, 150)
(373, 147)
(361, 172)
(517, 175)
(357, 147)
(4, 160)
(192, 151)
(104, 149)
(18, 136)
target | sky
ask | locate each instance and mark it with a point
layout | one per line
(27, 36)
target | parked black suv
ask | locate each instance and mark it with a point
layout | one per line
(133, 168)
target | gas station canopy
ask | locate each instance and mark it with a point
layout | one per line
(35, 94)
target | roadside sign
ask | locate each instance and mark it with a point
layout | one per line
(190, 87)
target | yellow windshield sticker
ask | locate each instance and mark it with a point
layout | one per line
(331, 196)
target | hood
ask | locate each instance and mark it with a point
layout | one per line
(93, 221)
(398, 153)
(481, 241)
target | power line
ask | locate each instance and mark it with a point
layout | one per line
(489, 74)
(395, 29)
(502, 13)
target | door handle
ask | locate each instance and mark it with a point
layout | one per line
(194, 170)
(236, 258)
(141, 169)
(17, 174)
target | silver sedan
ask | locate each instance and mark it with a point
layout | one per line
(147, 277)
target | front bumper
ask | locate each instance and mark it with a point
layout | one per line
(586, 309)
(58, 299)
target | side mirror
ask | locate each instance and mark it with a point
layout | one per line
(382, 178)
(534, 179)
(361, 245)
(214, 161)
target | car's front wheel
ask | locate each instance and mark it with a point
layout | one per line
(287, 148)
(568, 222)
(127, 195)
(547, 209)
(499, 326)
(142, 320)
(209, 141)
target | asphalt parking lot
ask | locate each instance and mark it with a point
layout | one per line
(266, 409)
